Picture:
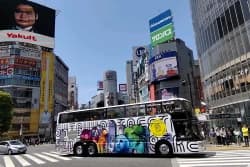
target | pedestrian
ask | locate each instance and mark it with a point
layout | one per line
(223, 136)
(244, 130)
(212, 136)
(237, 135)
(218, 137)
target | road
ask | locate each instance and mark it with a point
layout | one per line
(232, 158)
(45, 156)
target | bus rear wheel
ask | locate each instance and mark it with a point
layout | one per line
(78, 149)
(163, 148)
(92, 149)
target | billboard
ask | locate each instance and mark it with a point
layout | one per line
(46, 89)
(163, 66)
(161, 28)
(168, 93)
(122, 87)
(26, 21)
(99, 85)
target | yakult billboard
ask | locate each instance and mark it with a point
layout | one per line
(26, 21)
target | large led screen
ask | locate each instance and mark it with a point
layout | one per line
(26, 21)
(163, 66)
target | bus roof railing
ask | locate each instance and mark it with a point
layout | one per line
(123, 105)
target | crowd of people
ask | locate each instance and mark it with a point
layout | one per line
(33, 141)
(228, 135)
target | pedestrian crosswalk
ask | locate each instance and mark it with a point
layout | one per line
(235, 158)
(32, 159)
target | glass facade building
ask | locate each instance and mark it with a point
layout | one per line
(222, 32)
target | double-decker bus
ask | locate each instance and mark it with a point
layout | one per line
(161, 127)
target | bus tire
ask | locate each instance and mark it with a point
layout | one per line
(92, 149)
(163, 147)
(78, 149)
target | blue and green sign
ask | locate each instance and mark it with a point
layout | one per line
(161, 28)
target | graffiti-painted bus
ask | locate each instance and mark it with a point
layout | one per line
(161, 127)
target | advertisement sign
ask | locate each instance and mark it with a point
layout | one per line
(26, 21)
(122, 87)
(161, 20)
(164, 34)
(99, 85)
(168, 93)
(161, 28)
(163, 66)
(46, 89)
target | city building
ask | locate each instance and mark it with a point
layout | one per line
(60, 85)
(20, 66)
(107, 93)
(27, 69)
(173, 73)
(222, 32)
(72, 93)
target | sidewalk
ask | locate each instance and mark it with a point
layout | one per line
(211, 147)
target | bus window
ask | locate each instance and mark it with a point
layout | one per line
(98, 114)
(115, 112)
(82, 116)
(154, 108)
(135, 110)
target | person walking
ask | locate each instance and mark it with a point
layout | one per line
(244, 130)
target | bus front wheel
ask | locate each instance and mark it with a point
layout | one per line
(163, 148)
(78, 149)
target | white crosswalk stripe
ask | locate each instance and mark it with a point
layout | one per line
(22, 161)
(46, 157)
(57, 156)
(8, 162)
(222, 158)
(26, 160)
(33, 158)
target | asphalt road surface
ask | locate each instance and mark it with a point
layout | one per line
(45, 155)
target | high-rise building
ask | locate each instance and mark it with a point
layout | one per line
(172, 72)
(222, 32)
(72, 93)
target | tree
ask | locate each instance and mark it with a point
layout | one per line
(6, 106)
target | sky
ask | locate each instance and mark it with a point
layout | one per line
(93, 36)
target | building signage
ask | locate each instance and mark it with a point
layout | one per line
(161, 28)
(164, 34)
(99, 85)
(140, 51)
(26, 21)
(28, 37)
(163, 66)
(122, 87)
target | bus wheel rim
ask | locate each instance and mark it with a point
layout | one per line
(91, 150)
(164, 149)
(79, 150)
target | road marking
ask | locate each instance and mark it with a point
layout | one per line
(22, 161)
(46, 157)
(212, 159)
(57, 156)
(205, 165)
(8, 162)
(33, 158)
